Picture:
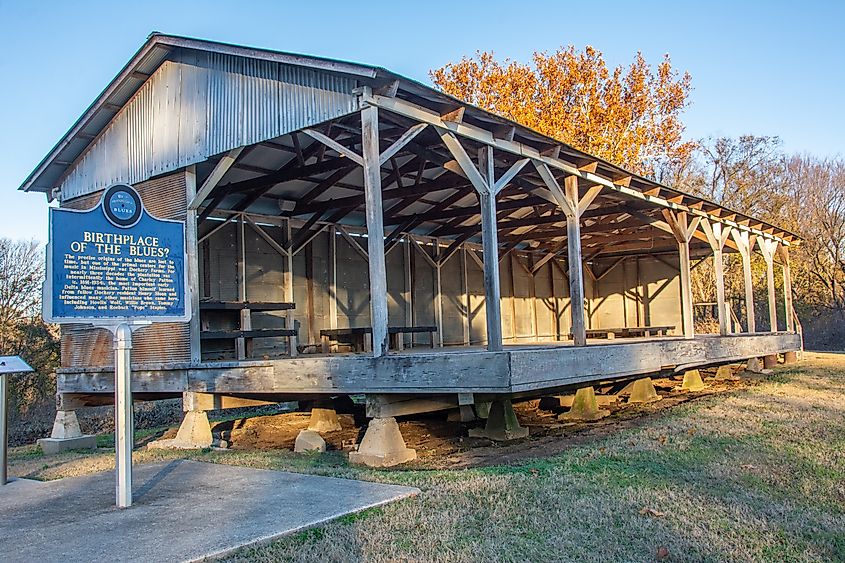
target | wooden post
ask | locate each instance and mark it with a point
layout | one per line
(290, 320)
(483, 182)
(576, 274)
(744, 243)
(679, 225)
(375, 228)
(438, 280)
(573, 207)
(192, 248)
(333, 277)
(717, 235)
(409, 292)
(245, 320)
(768, 247)
(492, 291)
(787, 288)
(465, 294)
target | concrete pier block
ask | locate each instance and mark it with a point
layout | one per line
(753, 365)
(482, 409)
(502, 424)
(67, 435)
(770, 361)
(692, 381)
(382, 446)
(790, 357)
(725, 373)
(463, 413)
(585, 407)
(643, 391)
(309, 441)
(194, 434)
(324, 420)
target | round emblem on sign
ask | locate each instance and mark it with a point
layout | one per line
(122, 205)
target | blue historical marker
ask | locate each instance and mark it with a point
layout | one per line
(115, 263)
(117, 267)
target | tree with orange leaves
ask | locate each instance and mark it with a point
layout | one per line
(628, 116)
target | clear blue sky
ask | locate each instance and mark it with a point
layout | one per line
(767, 68)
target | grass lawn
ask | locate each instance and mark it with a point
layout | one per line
(758, 474)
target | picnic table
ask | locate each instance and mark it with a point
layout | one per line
(239, 314)
(358, 337)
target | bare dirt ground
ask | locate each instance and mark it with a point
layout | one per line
(445, 444)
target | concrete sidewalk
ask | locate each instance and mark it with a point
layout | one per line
(183, 510)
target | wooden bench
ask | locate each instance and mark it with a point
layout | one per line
(244, 333)
(629, 332)
(360, 342)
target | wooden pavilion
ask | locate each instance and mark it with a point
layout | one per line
(285, 166)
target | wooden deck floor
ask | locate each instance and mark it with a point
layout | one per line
(518, 369)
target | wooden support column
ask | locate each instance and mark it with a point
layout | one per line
(484, 181)
(717, 235)
(408, 289)
(192, 248)
(787, 288)
(768, 247)
(245, 320)
(744, 243)
(375, 228)
(438, 296)
(290, 319)
(465, 295)
(333, 277)
(683, 229)
(492, 290)
(573, 207)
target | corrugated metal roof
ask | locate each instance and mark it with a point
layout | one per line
(251, 95)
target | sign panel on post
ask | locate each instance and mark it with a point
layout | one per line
(115, 263)
(117, 267)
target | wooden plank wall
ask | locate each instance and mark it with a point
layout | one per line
(535, 307)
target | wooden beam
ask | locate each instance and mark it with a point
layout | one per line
(400, 143)
(214, 178)
(509, 175)
(335, 146)
(478, 134)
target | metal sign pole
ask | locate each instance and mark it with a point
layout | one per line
(4, 431)
(124, 422)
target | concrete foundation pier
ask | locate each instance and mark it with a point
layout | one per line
(324, 420)
(383, 445)
(463, 413)
(585, 407)
(692, 381)
(643, 391)
(67, 435)
(309, 441)
(770, 361)
(502, 424)
(753, 365)
(725, 373)
(194, 434)
(790, 357)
